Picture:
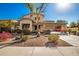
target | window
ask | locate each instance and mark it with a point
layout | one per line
(25, 26)
(39, 26)
(35, 18)
(38, 18)
(35, 27)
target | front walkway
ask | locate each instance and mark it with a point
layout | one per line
(39, 51)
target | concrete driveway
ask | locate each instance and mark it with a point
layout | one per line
(71, 39)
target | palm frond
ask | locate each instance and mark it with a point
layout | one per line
(29, 6)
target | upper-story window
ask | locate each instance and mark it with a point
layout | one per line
(35, 18)
(30, 15)
(38, 18)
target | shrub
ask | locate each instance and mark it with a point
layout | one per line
(69, 31)
(78, 33)
(4, 36)
(34, 32)
(53, 38)
(74, 32)
(24, 37)
(46, 31)
(26, 32)
(18, 31)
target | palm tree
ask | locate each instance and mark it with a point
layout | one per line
(35, 9)
(29, 6)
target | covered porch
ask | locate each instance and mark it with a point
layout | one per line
(37, 27)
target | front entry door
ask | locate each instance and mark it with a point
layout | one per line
(35, 27)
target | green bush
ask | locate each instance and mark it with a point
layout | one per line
(17, 31)
(69, 31)
(78, 33)
(46, 31)
(26, 32)
(53, 38)
(24, 37)
(74, 32)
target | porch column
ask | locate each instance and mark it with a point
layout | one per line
(37, 27)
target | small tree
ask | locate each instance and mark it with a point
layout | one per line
(72, 24)
(62, 24)
(78, 24)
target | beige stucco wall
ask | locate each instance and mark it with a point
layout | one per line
(39, 18)
(26, 21)
(48, 26)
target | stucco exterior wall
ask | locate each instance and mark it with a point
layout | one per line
(48, 26)
(26, 21)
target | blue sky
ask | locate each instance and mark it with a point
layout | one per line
(72, 14)
(16, 10)
(12, 10)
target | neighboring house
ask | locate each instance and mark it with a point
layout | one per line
(7, 24)
(49, 25)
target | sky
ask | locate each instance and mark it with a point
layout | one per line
(53, 11)
(12, 11)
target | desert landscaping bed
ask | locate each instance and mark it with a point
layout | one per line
(40, 42)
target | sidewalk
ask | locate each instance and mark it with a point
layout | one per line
(39, 51)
